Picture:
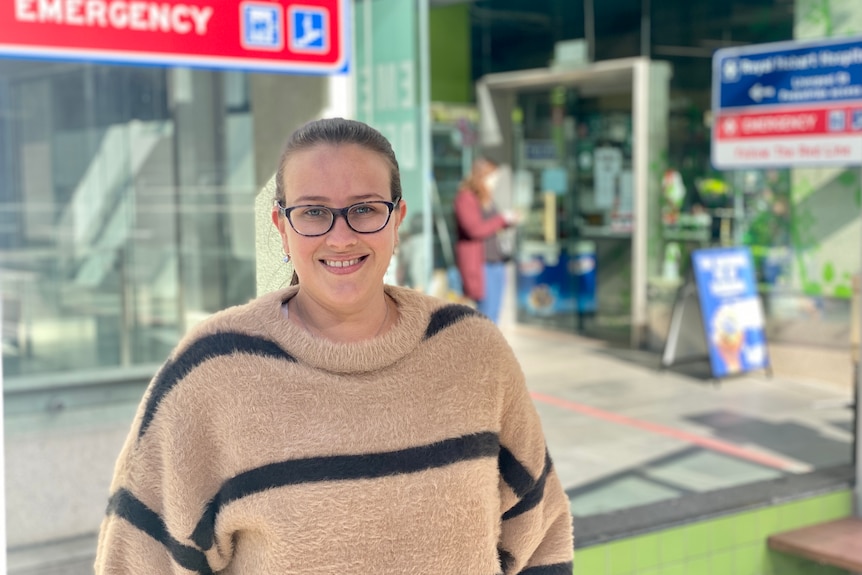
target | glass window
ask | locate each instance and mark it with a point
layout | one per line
(121, 205)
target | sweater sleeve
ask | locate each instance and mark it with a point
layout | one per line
(152, 507)
(536, 531)
(468, 212)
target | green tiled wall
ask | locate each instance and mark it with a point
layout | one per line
(729, 545)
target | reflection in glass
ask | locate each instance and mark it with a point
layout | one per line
(108, 250)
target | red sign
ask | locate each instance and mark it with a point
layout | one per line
(299, 36)
(806, 121)
(810, 136)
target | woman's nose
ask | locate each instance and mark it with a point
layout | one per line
(341, 233)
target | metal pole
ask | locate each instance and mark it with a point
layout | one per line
(2, 466)
(368, 49)
(425, 141)
(857, 395)
(590, 29)
(175, 77)
(640, 209)
(646, 29)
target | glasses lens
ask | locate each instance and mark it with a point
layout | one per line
(311, 220)
(368, 217)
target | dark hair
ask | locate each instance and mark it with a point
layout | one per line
(335, 131)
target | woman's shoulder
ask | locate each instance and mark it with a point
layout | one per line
(465, 194)
(245, 320)
(439, 315)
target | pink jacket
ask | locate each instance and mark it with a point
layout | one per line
(472, 229)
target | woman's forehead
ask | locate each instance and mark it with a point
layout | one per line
(337, 170)
(326, 155)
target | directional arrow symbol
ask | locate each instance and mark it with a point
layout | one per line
(759, 92)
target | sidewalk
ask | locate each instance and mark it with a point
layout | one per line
(622, 433)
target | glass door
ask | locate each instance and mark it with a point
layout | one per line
(574, 185)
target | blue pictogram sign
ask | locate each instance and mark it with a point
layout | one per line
(261, 26)
(309, 29)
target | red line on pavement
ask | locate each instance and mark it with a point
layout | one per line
(708, 443)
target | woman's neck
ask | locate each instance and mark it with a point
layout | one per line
(372, 322)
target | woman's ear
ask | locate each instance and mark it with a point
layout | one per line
(278, 222)
(402, 213)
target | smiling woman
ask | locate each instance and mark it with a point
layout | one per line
(331, 171)
(294, 434)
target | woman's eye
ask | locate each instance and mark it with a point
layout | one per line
(364, 210)
(314, 212)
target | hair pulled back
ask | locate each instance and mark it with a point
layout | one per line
(335, 131)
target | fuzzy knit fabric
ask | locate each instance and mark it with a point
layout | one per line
(260, 449)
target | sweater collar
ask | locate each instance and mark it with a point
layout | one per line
(357, 357)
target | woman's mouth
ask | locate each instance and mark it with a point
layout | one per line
(342, 263)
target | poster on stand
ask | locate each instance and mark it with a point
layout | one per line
(731, 310)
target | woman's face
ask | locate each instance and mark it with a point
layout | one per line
(341, 269)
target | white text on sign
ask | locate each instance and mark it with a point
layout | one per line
(142, 16)
(769, 152)
(387, 93)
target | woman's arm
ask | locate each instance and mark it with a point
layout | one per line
(536, 521)
(157, 495)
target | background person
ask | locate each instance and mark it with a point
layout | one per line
(478, 251)
(338, 425)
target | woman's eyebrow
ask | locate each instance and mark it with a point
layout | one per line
(351, 199)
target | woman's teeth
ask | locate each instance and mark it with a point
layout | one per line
(340, 263)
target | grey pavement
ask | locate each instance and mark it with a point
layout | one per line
(624, 433)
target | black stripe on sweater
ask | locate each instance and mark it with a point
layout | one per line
(506, 559)
(514, 473)
(555, 569)
(447, 316)
(342, 468)
(535, 494)
(208, 347)
(124, 504)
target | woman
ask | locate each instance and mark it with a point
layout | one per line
(478, 253)
(338, 425)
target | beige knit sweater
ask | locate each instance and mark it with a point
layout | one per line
(259, 449)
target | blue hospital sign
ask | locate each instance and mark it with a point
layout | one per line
(309, 29)
(262, 26)
(788, 104)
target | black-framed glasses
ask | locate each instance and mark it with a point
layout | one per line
(363, 218)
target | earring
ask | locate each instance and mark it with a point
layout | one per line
(286, 258)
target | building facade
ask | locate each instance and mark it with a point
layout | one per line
(130, 196)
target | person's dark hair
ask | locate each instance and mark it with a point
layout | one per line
(335, 131)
